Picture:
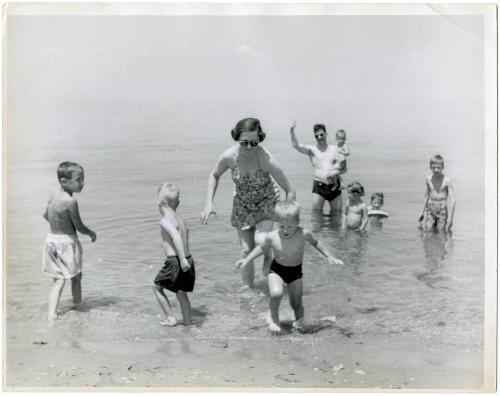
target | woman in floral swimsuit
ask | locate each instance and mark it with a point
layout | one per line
(253, 169)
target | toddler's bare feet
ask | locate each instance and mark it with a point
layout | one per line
(275, 329)
(168, 321)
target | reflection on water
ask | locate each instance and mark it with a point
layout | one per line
(375, 292)
(437, 246)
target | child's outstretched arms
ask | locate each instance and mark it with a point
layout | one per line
(256, 252)
(309, 237)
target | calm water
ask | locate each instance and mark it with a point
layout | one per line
(395, 281)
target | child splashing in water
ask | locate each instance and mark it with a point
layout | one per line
(287, 243)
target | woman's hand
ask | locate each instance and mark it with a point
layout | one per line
(210, 209)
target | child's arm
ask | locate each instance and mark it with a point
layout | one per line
(426, 201)
(309, 237)
(77, 221)
(171, 230)
(451, 206)
(364, 220)
(256, 252)
(295, 143)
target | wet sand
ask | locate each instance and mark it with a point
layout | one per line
(85, 350)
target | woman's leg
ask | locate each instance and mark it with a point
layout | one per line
(262, 228)
(247, 244)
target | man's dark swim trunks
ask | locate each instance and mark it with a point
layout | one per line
(288, 274)
(328, 191)
(173, 278)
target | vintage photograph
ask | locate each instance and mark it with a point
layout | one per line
(249, 197)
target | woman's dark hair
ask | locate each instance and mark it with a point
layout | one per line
(248, 125)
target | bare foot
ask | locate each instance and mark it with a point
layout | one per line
(53, 318)
(168, 321)
(298, 324)
(275, 329)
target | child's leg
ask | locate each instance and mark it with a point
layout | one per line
(295, 296)
(76, 289)
(247, 243)
(185, 307)
(162, 299)
(54, 296)
(276, 287)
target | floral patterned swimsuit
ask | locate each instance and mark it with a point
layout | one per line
(255, 198)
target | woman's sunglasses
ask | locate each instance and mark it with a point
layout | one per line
(245, 143)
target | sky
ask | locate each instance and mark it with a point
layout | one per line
(419, 75)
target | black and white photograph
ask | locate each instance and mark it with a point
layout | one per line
(249, 197)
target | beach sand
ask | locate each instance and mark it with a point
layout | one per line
(86, 350)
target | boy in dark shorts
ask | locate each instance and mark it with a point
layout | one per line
(177, 274)
(287, 243)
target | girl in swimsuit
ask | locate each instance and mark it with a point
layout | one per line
(253, 170)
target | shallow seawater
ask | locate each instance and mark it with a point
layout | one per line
(396, 280)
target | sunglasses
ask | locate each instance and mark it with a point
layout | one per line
(319, 135)
(245, 143)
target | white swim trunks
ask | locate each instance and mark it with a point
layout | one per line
(62, 256)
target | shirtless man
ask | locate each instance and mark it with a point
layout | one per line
(328, 164)
(437, 212)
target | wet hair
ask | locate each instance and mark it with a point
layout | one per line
(65, 169)
(377, 195)
(319, 127)
(248, 125)
(341, 132)
(356, 187)
(166, 192)
(437, 159)
(287, 209)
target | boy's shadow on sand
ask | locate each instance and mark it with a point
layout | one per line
(199, 315)
(91, 303)
(310, 327)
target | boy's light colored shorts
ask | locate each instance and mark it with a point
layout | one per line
(62, 256)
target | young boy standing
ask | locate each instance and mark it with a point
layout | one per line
(62, 253)
(178, 273)
(356, 211)
(439, 205)
(287, 243)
